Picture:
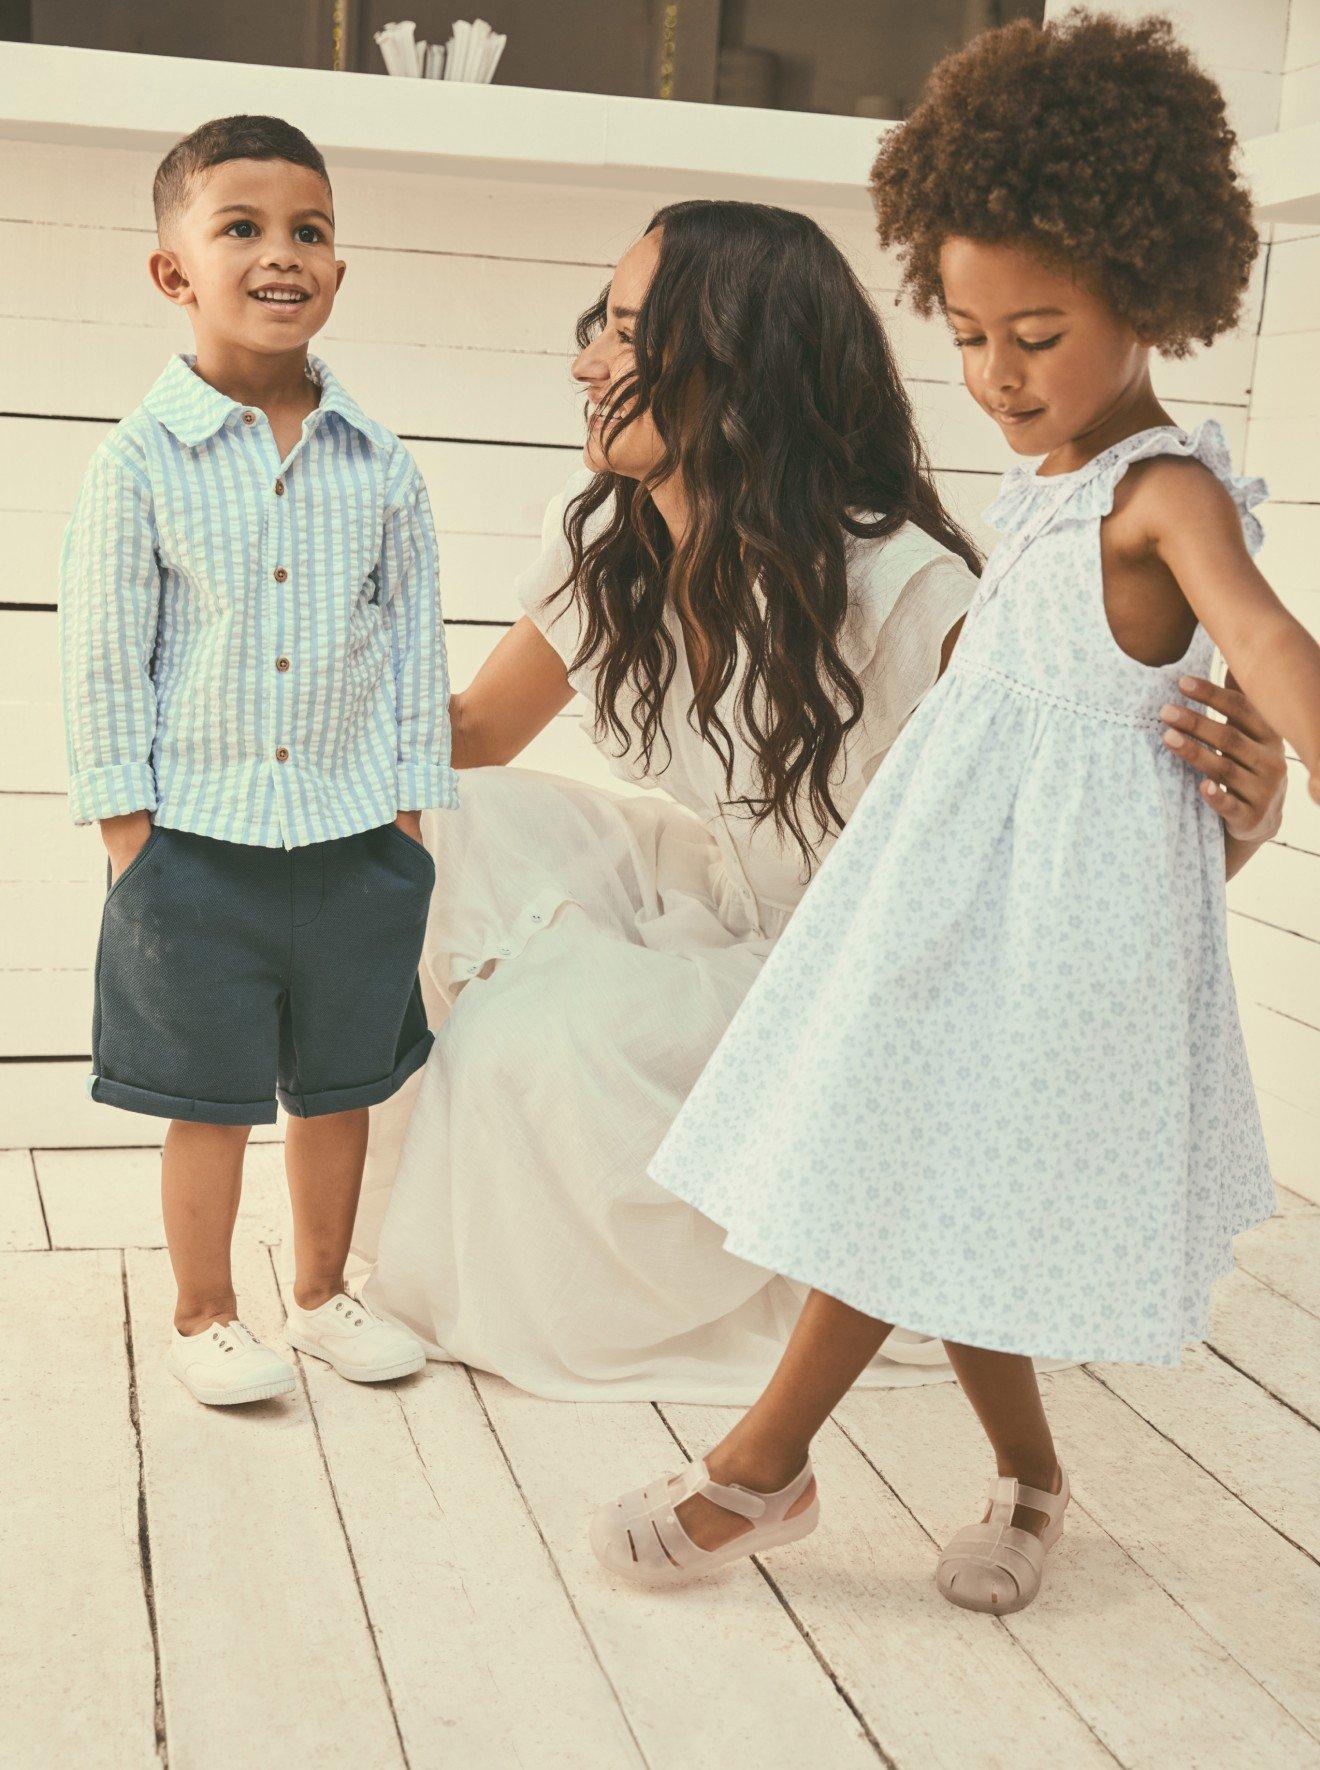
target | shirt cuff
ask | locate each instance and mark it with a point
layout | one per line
(95, 793)
(426, 786)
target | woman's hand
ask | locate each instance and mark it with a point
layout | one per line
(1246, 776)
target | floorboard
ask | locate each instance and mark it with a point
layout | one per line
(476, 1635)
(712, 1675)
(77, 1669)
(400, 1576)
(267, 1655)
(862, 1589)
(1102, 1622)
(22, 1222)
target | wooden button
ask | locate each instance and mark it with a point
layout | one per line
(281, 755)
(280, 574)
(281, 663)
(279, 488)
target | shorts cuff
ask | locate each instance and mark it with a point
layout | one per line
(315, 1106)
(170, 1106)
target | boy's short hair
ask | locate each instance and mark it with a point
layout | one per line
(1099, 145)
(227, 138)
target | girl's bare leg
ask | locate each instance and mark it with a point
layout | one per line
(829, 1348)
(1002, 1388)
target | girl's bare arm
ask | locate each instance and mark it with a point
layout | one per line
(1195, 530)
(514, 695)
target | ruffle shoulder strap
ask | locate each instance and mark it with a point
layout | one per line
(1094, 497)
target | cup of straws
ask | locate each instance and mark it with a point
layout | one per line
(472, 53)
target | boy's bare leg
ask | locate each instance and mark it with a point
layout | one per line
(829, 1348)
(324, 1158)
(201, 1182)
(1002, 1387)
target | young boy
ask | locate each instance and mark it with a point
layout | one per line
(257, 706)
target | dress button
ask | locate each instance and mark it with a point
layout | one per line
(281, 755)
(280, 574)
(281, 664)
(279, 488)
(536, 915)
(249, 417)
(506, 952)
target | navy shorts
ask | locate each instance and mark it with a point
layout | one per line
(229, 976)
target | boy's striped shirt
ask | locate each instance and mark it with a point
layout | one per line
(253, 650)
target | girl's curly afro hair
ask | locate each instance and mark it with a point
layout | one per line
(1099, 145)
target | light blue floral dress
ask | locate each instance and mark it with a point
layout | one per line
(991, 1083)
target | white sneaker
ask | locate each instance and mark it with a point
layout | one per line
(225, 1364)
(351, 1337)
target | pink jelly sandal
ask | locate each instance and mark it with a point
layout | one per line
(641, 1539)
(994, 1566)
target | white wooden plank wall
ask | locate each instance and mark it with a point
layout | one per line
(1275, 902)
(454, 328)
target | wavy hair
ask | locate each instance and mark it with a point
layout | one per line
(774, 394)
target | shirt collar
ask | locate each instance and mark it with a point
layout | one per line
(193, 410)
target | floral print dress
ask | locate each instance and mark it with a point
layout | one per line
(991, 1084)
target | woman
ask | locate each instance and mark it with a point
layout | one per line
(753, 587)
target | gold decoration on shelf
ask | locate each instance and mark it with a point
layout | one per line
(668, 44)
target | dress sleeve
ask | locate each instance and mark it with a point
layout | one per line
(904, 657)
(556, 616)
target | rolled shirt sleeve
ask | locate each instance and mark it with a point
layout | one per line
(411, 609)
(108, 613)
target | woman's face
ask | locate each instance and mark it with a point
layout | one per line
(635, 449)
(1044, 356)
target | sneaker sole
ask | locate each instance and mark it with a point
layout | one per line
(237, 1397)
(350, 1372)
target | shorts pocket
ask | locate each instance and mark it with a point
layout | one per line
(408, 842)
(135, 863)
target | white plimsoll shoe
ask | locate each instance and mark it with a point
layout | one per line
(641, 1537)
(226, 1364)
(347, 1334)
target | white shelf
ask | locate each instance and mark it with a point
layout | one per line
(1283, 171)
(100, 97)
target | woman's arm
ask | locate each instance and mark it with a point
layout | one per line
(1246, 776)
(514, 695)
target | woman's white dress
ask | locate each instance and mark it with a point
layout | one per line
(586, 952)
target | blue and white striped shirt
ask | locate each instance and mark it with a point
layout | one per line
(253, 649)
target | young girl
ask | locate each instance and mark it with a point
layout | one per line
(991, 1084)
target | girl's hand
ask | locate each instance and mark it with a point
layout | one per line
(1243, 762)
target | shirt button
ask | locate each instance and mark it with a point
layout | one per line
(249, 417)
(279, 488)
(280, 574)
(281, 663)
(281, 755)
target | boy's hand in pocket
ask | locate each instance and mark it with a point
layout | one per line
(410, 822)
(125, 838)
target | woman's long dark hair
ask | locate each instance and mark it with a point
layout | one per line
(772, 389)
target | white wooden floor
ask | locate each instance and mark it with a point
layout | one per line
(400, 1576)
